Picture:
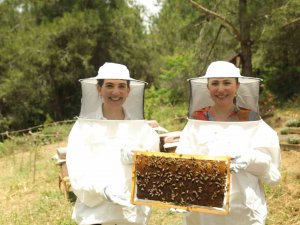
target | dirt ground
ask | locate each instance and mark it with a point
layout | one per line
(291, 163)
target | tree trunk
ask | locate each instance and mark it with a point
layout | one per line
(242, 35)
(54, 94)
(246, 42)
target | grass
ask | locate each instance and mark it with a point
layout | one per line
(160, 113)
(29, 180)
(27, 199)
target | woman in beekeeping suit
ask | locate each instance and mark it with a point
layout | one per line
(99, 157)
(224, 121)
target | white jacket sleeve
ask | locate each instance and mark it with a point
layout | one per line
(265, 158)
(89, 196)
(81, 170)
(261, 165)
(85, 191)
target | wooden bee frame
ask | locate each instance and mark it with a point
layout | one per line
(189, 182)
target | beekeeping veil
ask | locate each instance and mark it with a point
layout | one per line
(91, 102)
(247, 94)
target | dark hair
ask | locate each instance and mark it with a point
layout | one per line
(100, 82)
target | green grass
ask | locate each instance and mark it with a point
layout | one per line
(171, 117)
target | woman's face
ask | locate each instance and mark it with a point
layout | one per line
(114, 92)
(222, 90)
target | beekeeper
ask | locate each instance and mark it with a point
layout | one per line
(99, 157)
(224, 121)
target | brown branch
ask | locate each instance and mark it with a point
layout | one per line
(291, 22)
(226, 22)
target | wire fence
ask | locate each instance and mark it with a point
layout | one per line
(30, 130)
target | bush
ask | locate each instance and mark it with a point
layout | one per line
(293, 140)
(158, 107)
(285, 131)
(293, 123)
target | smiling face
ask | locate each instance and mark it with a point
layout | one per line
(223, 90)
(114, 92)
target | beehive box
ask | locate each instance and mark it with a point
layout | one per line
(189, 182)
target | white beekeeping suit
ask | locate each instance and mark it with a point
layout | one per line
(253, 144)
(99, 171)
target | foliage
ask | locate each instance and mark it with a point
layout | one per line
(293, 123)
(211, 40)
(285, 131)
(276, 59)
(293, 140)
(158, 107)
(173, 77)
(52, 46)
(173, 34)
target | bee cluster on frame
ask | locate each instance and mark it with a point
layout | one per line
(181, 181)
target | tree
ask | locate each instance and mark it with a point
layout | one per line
(53, 45)
(242, 35)
(219, 30)
(277, 59)
(173, 34)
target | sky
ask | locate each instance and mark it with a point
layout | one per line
(151, 5)
(152, 8)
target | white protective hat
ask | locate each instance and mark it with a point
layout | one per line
(91, 102)
(112, 71)
(222, 69)
(247, 95)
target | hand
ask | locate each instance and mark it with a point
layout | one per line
(126, 155)
(117, 199)
(153, 123)
(239, 163)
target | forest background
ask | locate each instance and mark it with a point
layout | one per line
(47, 46)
